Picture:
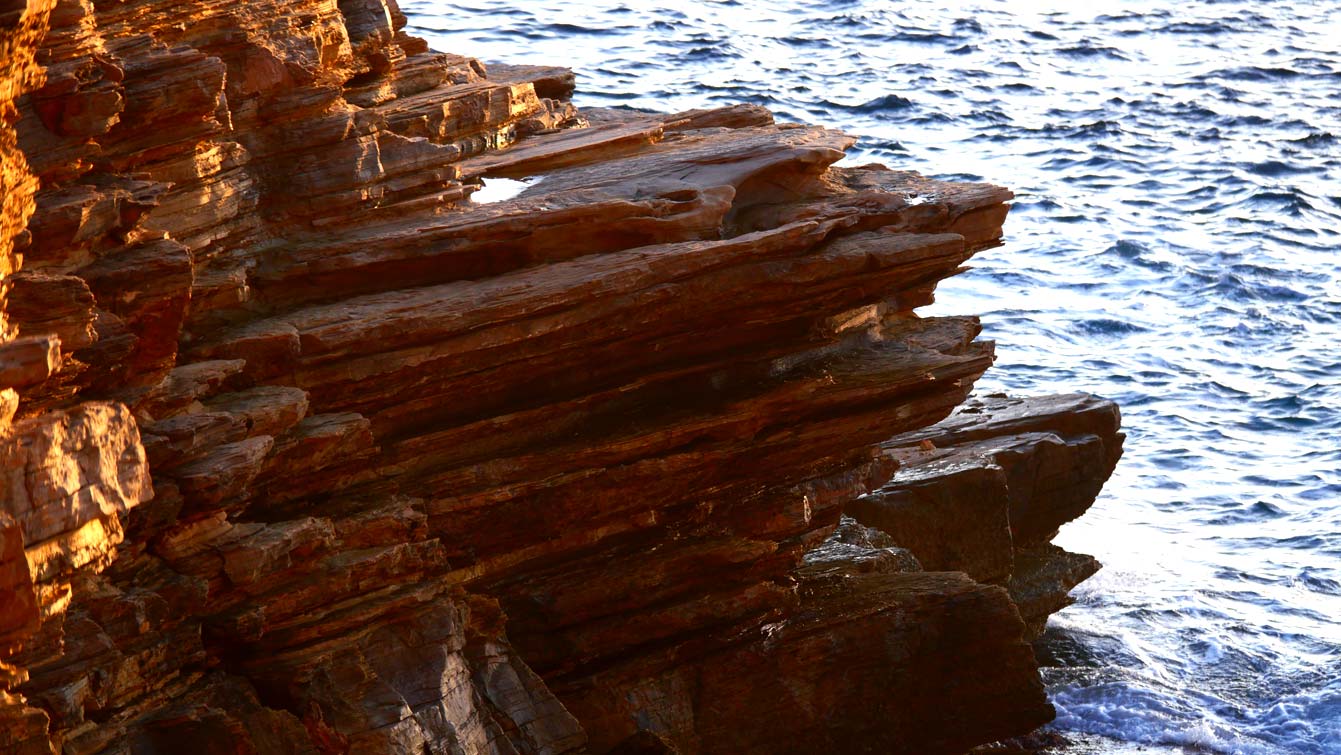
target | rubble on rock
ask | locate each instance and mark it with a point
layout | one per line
(305, 451)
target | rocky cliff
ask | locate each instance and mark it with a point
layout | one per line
(302, 450)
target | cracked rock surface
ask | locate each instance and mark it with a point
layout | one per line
(303, 450)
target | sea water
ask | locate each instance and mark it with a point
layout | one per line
(1175, 245)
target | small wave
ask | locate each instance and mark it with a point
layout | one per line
(805, 42)
(842, 20)
(1255, 73)
(1086, 50)
(709, 54)
(1279, 168)
(1290, 201)
(1322, 493)
(1192, 27)
(992, 115)
(920, 37)
(1107, 326)
(1132, 713)
(1319, 583)
(1068, 128)
(576, 30)
(888, 146)
(1259, 511)
(1316, 139)
(968, 25)
(1038, 205)
(1240, 121)
(885, 104)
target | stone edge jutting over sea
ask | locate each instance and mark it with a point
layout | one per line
(303, 451)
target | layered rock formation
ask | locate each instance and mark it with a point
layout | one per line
(303, 450)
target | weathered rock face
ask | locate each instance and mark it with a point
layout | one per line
(302, 450)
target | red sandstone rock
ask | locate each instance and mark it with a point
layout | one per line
(984, 490)
(551, 475)
(28, 361)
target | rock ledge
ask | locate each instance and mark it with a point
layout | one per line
(304, 451)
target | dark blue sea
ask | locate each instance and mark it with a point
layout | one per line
(1174, 246)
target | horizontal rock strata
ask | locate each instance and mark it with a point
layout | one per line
(304, 450)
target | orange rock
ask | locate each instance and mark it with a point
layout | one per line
(553, 474)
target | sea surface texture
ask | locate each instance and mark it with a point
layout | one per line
(1175, 246)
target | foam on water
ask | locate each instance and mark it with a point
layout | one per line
(500, 189)
(1173, 246)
